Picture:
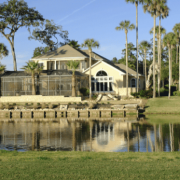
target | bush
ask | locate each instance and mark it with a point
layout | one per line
(136, 95)
(146, 93)
(176, 93)
(26, 104)
(84, 91)
(69, 103)
(7, 106)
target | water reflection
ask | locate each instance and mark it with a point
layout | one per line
(89, 136)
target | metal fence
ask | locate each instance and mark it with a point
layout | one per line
(52, 85)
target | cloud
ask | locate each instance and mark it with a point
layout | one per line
(76, 11)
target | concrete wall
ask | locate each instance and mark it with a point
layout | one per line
(38, 98)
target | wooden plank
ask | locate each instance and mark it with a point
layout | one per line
(16, 114)
(94, 113)
(106, 113)
(50, 114)
(5, 114)
(72, 114)
(83, 113)
(27, 114)
(131, 112)
(38, 114)
(117, 113)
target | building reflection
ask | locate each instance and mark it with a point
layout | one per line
(89, 136)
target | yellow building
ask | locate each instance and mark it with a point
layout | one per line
(107, 77)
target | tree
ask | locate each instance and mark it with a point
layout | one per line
(169, 41)
(32, 67)
(2, 68)
(136, 4)
(125, 25)
(90, 43)
(13, 15)
(176, 30)
(154, 7)
(3, 51)
(114, 60)
(39, 51)
(73, 65)
(158, 32)
(145, 46)
(48, 34)
(74, 44)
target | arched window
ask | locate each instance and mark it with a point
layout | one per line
(101, 73)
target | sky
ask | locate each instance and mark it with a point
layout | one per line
(89, 19)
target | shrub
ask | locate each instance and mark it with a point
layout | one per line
(84, 91)
(26, 104)
(69, 103)
(176, 93)
(80, 103)
(7, 106)
(74, 102)
(136, 95)
(38, 104)
(146, 93)
(14, 104)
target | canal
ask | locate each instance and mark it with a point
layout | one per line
(98, 136)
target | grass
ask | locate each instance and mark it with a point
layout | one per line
(88, 165)
(163, 119)
(163, 105)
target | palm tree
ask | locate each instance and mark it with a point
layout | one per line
(158, 32)
(136, 4)
(176, 30)
(90, 43)
(73, 65)
(169, 41)
(3, 51)
(2, 68)
(145, 46)
(32, 67)
(154, 7)
(74, 44)
(125, 25)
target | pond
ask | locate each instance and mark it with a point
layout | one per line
(104, 136)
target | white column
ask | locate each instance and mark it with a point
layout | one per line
(55, 65)
(95, 86)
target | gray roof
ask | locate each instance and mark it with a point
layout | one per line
(62, 52)
(43, 73)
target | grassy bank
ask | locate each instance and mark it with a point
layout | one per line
(163, 119)
(88, 165)
(163, 105)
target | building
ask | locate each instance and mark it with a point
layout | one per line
(107, 77)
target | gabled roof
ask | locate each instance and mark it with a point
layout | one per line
(65, 51)
(122, 67)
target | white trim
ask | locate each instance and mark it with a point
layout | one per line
(121, 73)
(101, 70)
(63, 58)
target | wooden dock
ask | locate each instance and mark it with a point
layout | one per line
(58, 114)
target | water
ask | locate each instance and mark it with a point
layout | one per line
(109, 136)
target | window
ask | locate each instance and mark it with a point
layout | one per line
(133, 83)
(40, 65)
(101, 73)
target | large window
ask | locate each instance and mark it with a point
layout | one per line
(102, 82)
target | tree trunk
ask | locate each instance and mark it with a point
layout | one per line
(159, 57)
(169, 72)
(179, 61)
(126, 68)
(13, 52)
(145, 68)
(33, 84)
(177, 53)
(73, 85)
(171, 67)
(137, 82)
(90, 51)
(154, 80)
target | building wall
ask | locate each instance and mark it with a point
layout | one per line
(119, 78)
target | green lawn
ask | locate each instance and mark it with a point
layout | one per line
(88, 165)
(163, 105)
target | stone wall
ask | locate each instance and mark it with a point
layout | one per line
(38, 99)
(122, 91)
